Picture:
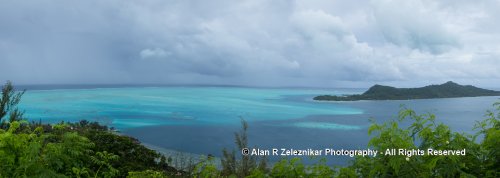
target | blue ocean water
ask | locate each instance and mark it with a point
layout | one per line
(126, 108)
(202, 120)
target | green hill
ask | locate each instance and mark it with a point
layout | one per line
(446, 90)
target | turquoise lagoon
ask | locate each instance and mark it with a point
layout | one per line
(202, 120)
(125, 108)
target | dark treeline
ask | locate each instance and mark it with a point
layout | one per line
(446, 90)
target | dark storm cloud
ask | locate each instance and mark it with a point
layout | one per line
(272, 43)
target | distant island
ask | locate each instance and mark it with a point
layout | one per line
(447, 90)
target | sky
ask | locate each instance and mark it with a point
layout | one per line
(302, 43)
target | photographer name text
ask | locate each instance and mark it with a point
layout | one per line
(350, 152)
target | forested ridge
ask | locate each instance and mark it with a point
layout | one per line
(87, 149)
(446, 90)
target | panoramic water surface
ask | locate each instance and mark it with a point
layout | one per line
(202, 120)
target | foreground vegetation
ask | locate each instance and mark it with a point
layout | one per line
(88, 149)
(83, 149)
(446, 90)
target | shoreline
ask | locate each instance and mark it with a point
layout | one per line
(180, 159)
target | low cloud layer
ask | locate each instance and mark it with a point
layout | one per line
(317, 43)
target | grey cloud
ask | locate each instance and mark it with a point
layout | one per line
(154, 53)
(415, 25)
(276, 43)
